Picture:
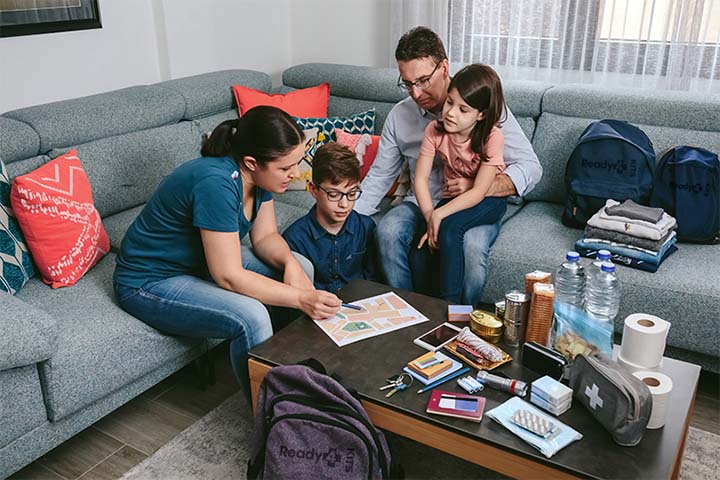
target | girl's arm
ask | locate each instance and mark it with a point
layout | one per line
(421, 184)
(484, 178)
(271, 248)
(224, 260)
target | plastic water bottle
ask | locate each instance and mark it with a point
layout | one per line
(594, 267)
(603, 294)
(570, 281)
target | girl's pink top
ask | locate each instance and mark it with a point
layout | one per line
(458, 158)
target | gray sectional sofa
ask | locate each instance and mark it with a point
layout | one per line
(70, 356)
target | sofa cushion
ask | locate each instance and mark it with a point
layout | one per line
(16, 266)
(117, 224)
(21, 403)
(100, 347)
(80, 120)
(208, 124)
(210, 93)
(304, 102)
(125, 170)
(682, 291)
(17, 140)
(27, 335)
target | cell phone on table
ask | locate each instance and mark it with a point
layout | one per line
(438, 337)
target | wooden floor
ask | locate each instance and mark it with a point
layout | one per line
(127, 436)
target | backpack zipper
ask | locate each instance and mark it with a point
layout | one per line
(349, 411)
(317, 418)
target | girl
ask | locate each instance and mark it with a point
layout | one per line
(181, 268)
(469, 141)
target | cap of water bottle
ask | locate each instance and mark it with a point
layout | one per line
(607, 267)
(604, 255)
(572, 257)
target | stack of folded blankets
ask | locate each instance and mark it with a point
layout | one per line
(637, 236)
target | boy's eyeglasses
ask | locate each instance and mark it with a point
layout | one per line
(422, 83)
(335, 196)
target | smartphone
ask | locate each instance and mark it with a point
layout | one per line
(438, 337)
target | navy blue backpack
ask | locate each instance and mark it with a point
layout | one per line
(687, 186)
(611, 159)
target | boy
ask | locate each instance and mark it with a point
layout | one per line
(338, 241)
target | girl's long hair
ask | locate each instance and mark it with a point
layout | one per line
(264, 133)
(480, 87)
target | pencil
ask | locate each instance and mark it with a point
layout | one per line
(350, 305)
(434, 384)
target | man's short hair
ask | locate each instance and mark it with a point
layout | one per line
(335, 163)
(420, 42)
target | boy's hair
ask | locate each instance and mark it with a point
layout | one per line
(479, 85)
(420, 42)
(335, 163)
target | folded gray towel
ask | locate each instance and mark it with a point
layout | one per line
(617, 237)
(633, 210)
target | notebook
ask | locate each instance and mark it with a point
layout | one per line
(455, 367)
(460, 405)
(438, 364)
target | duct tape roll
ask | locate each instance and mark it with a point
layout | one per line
(660, 386)
(643, 342)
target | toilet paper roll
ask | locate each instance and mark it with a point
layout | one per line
(660, 386)
(643, 342)
(632, 368)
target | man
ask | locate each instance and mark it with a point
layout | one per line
(424, 74)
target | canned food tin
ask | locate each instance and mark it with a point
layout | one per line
(500, 309)
(517, 306)
(485, 323)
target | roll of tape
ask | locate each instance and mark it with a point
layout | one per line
(643, 342)
(660, 386)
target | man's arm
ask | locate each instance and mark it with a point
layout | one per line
(383, 172)
(522, 165)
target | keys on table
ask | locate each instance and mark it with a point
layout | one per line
(397, 383)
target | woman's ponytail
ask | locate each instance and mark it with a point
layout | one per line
(218, 144)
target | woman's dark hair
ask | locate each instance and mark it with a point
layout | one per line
(420, 42)
(264, 133)
(480, 87)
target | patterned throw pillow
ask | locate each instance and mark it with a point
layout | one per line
(55, 210)
(305, 165)
(357, 124)
(16, 266)
(365, 147)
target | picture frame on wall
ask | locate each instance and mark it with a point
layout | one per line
(31, 17)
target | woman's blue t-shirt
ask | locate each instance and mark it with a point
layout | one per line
(164, 240)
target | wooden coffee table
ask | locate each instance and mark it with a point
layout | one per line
(367, 363)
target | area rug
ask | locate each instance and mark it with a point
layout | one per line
(217, 447)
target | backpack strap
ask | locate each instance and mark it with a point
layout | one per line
(313, 364)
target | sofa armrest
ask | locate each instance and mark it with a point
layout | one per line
(27, 335)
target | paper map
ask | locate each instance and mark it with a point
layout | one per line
(380, 314)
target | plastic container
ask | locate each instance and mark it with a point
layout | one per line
(570, 281)
(603, 294)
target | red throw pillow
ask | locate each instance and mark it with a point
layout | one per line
(364, 146)
(307, 102)
(370, 154)
(56, 213)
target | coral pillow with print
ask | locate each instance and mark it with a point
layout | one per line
(687, 186)
(611, 160)
(54, 207)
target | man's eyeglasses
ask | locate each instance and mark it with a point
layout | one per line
(422, 83)
(335, 196)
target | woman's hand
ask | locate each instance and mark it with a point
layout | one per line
(295, 276)
(319, 304)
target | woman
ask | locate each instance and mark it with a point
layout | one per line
(181, 268)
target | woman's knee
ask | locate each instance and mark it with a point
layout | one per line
(306, 265)
(253, 323)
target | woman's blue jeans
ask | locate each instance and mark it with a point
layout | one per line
(193, 307)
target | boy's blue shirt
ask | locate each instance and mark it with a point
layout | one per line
(340, 258)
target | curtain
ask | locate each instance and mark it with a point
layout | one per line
(662, 44)
(406, 14)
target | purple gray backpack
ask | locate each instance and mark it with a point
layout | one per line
(308, 426)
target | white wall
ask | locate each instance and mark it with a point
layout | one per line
(43, 68)
(147, 41)
(356, 32)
